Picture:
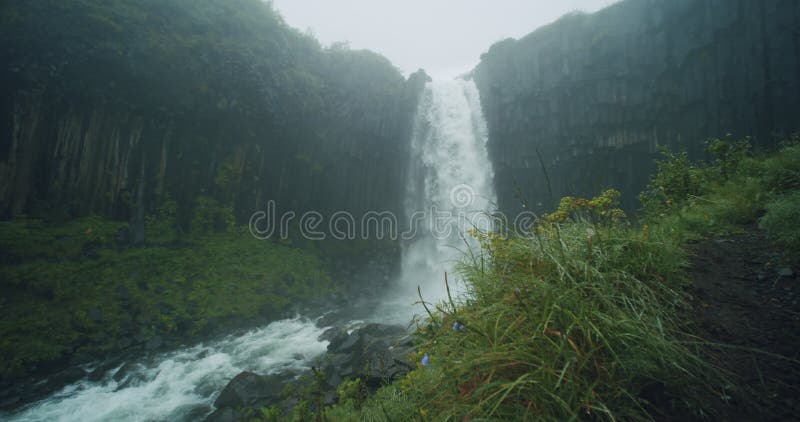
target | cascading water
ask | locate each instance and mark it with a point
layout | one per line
(450, 189)
(181, 385)
(450, 184)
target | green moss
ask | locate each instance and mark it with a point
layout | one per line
(26, 238)
(72, 289)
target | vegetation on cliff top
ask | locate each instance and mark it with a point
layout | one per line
(588, 315)
(216, 98)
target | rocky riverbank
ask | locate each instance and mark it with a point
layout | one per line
(372, 354)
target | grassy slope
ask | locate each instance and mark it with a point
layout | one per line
(588, 315)
(70, 289)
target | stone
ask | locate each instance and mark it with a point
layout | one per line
(571, 94)
(124, 371)
(333, 335)
(97, 374)
(376, 352)
(67, 376)
(222, 415)
(248, 389)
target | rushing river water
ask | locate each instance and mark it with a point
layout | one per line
(450, 174)
(181, 385)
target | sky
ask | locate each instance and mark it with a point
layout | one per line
(444, 37)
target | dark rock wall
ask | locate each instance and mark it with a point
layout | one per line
(595, 94)
(218, 99)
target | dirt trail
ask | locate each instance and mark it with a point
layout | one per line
(747, 296)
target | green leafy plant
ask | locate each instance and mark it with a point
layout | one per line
(782, 221)
(676, 180)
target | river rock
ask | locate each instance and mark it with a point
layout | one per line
(123, 371)
(377, 353)
(222, 415)
(96, 374)
(333, 335)
(248, 389)
(68, 376)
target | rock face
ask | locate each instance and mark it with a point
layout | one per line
(221, 101)
(376, 354)
(595, 94)
(248, 388)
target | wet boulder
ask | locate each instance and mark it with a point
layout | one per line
(377, 353)
(249, 389)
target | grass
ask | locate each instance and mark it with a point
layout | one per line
(577, 321)
(74, 290)
(588, 315)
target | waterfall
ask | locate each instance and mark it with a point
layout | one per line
(450, 189)
(450, 184)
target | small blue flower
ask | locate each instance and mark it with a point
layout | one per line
(457, 326)
(426, 360)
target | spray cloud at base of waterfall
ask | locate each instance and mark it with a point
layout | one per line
(450, 172)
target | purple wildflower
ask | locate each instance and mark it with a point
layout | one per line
(426, 360)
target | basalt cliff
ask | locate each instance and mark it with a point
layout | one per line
(592, 96)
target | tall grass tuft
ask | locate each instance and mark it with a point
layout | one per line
(580, 318)
(586, 317)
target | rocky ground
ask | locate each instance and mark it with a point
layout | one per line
(375, 353)
(747, 298)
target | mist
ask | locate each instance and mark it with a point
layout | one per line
(444, 37)
(238, 210)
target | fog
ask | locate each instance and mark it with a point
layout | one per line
(446, 38)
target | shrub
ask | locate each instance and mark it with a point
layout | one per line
(782, 221)
(728, 156)
(781, 172)
(576, 319)
(676, 180)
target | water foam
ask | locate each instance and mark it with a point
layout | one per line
(182, 385)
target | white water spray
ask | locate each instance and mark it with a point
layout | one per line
(182, 385)
(451, 184)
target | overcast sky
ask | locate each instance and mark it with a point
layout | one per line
(444, 37)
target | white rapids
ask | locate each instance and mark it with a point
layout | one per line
(450, 184)
(182, 385)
